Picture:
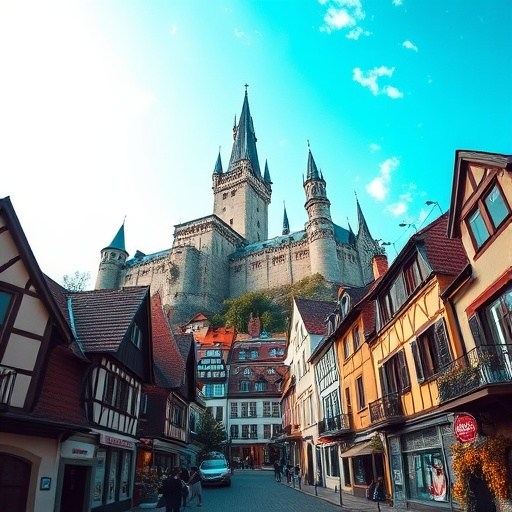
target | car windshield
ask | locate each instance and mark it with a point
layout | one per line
(209, 464)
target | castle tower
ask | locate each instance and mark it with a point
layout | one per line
(241, 194)
(112, 265)
(286, 224)
(320, 229)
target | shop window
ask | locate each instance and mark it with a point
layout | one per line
(363, 471)
(490, 212)
(427, 476)
(431, 351)
(334, 462)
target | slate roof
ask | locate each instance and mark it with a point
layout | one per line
(314, 313)
(102, 317)
(145, 258)
(168, 361)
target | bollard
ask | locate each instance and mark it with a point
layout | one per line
(298, 480)
(316, 489)
(335, 489)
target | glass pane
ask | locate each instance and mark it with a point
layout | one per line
(478, 228)
(426, 476)
(5, 298)
(496, 206)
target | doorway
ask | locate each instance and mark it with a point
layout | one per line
(74, 484)
(14, 482)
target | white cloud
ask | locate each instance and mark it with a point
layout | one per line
(369, 79)
(374, 147)
(342, 14)
(378, 188)
(397, 2)
(392, 92)
(397, 209)
(357, 32)
(410, 46)
(238, 33)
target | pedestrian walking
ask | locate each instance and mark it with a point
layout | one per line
(194, 484)
(172, 489)
(184, 476)
(277, 471)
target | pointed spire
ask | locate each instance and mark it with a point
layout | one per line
(118, 241)
(312, 169)
(266, 175)
(286, 224)
(244, 145)
(218, 165)
(363, 227)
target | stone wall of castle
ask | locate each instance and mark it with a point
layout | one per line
(272, 266)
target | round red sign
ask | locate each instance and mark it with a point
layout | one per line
(465, 428)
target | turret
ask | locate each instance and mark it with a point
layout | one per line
(286, 224)
(112, 265)
(320, 229)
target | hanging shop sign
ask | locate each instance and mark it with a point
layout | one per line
(77, 450)
(465, 428)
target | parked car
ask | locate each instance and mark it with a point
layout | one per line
(215, 471)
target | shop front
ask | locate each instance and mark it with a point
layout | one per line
(420, 465)
(112, 481)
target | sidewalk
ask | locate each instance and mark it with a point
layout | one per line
(350, 503)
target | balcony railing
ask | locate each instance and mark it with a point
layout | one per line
(387, 408)
(480, 367)
(7, 380)
(339, 423)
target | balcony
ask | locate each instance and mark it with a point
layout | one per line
(480, 367)
(7, 380)
(336, 424)
(388, 409)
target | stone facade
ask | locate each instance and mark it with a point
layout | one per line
(228, 253)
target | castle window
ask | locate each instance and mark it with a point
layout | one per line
(224, 209)
(233, 192)
(225, 195)
(230, 222)
(258, 223)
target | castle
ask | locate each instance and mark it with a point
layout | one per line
(228, 253)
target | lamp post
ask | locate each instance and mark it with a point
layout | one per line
(390, 243)
(430, 203)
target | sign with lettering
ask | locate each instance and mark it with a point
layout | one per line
(465, 428)
(115, 441)
(77, 450)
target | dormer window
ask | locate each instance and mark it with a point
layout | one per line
(248, 371)
(136, 336)
(241, 355)
(345, 305)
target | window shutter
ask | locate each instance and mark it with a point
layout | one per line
(417, 361)
(443, 345)
(404, 374)
(476, 330)
(383, 381)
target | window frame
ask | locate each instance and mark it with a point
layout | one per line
(480, 206)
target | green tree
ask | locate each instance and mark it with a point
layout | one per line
(211, 434)
(76, 282)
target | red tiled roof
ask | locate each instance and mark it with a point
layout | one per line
(168, 361)
(314, 313)
(222, 335)
(445, 255)
(102, 317)
(60, 398)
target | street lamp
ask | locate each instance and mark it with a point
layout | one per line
(405, 225)
(390, 243)
(430, 203)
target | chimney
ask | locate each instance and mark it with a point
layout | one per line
(379, 265)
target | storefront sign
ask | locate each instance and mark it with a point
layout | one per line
(77, 450)
(115, 441)
(465, 428)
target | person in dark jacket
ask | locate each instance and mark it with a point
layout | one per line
(172, 491)
(184, 476)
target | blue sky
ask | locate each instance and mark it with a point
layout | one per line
(118, 108)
